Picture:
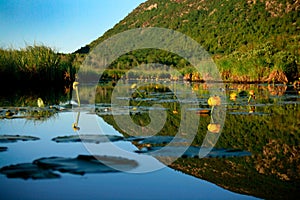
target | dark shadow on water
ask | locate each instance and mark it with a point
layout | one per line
(26, 94)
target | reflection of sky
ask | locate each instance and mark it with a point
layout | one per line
(160, 184)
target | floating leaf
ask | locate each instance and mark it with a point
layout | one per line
(156, 139)
(43, 168)
(88, 138)
(192, 152)
(3, 149)
(15, 138)
(26, 171)
(87, 164)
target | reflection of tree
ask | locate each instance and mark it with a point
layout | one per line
(279, 159)
(277, 90)
(273, 170)
(272, 139)
(238, 175)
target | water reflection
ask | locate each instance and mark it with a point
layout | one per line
(260, 119)
(44, 168)
(75, 124)
(267, 126)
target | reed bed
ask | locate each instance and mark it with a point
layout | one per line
(35, 64)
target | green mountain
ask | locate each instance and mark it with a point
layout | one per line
(254, 40)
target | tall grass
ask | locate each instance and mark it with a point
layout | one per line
(35, 64)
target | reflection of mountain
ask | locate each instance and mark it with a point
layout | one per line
(239, 175)
(272, 172)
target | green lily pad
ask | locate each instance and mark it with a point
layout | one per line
(3, 149)
(88, 138)
(15, 138)
(26, 171)
(192, 152)
(44, 168)
(156, 139)
(87, 164)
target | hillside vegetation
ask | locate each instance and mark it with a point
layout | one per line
(254, 40)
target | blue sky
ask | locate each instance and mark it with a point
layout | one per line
(65, 25)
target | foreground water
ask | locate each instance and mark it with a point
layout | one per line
(161, 184)
(267, 130)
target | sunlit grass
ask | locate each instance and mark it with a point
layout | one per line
(35, 63)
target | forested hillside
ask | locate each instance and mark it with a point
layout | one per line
(250, 40)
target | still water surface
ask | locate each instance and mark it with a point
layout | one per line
(268, 128)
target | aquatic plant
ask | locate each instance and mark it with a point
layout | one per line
(36, 64)
(214, 101)
(40, 103)
(75, 87)
(233, 96)
(214, 128)
(251, 95)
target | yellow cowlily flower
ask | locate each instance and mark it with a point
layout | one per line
(214, 128)
(233, 96)
(75, 84)
(252, 95)
(75, 127)
(214, 101)
(40, 103)
(133, 86)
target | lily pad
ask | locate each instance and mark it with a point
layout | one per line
(87, 164)
(44, 168)
(26, 171)
(248, 113)
(88, 138)
(3, 149)
(15, 138)
(156, 139)
(192, 152)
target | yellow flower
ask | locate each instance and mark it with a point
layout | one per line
(214, 101)
(252, 93)
(196, 87)
(134, 108)
(233, 96)
(175, 112)
(8, 113)
(75, 126)
(75, 84)
(214, 128)
(133, 86)
(40, 103)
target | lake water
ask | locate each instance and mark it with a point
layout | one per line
(256, 154)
